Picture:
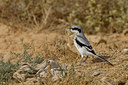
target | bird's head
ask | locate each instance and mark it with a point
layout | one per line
(76, 29)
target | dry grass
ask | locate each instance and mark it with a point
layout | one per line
(56, 48)
(42, 22)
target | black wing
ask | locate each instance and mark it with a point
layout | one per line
(89, 48)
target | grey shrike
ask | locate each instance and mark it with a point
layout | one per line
(83, 45)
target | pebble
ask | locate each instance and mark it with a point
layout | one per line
(125, 50)
(96, 73)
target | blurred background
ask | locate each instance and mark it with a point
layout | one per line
(95, 16)
(32, 31)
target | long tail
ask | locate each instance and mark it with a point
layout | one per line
(104, 60)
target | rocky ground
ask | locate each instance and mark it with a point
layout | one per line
(59, 47)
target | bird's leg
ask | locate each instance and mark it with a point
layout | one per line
(81, 60)
(86, 58)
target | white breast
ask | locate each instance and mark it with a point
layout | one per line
(82, 50)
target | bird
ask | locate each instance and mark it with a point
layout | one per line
(83, 45)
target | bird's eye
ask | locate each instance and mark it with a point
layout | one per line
(79, 30)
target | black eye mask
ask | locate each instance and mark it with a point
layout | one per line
(79, 30)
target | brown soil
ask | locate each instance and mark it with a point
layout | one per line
(53, 45)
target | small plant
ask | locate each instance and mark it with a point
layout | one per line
(28, 57)
(73, 70)
(7, 68)
(6, 71)
(63, 71)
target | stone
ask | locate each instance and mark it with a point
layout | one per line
(54, 65)
(41, 66)
(96, 73)
(18, 75)
(25, 67)
(125, 50)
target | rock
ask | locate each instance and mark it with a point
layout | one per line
(18, 75)
(27, 73)
(25, 67)
(54, 65)
(125, 50)
(96, 73)
(42, 65)
(42, 71)
(56, 70)
(22, 73)
(46, 69)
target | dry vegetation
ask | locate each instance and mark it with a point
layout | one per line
(94, 15)
(34, 30)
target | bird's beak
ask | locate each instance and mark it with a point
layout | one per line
(68, 31)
